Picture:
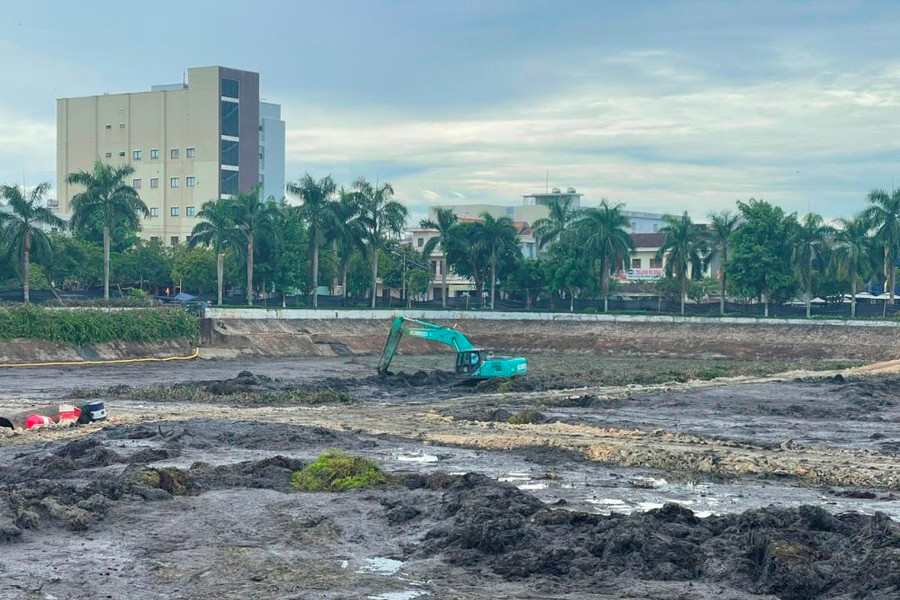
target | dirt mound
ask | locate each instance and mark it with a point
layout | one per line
(796, 554)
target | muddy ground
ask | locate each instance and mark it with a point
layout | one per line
(762, 487)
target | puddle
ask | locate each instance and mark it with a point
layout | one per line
(417, 458)
(404, 595)
(380, 565)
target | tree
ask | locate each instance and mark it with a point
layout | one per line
(467, 257)
(722, 226)
(23, 235)
(348, 235)
(76, 264)
(571, 270)
(685, 248)
(810, 236)
(561, 216)
(700, 289)
(761, 250)
(290, 261)
(602, 233)
(883, 216)
(381, 217)
(250, 216)
(528, 278)
(444, 222)
(193, 269)
(318, 212)
(498, 238)
(216, 230)
(852, 257)
(107, 200)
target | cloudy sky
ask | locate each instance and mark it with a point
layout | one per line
(663, 106)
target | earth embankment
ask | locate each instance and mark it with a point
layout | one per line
(664, 338)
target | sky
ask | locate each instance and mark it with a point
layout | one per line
(662, 106)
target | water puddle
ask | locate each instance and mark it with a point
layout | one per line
(380, 565)
(419, 457)
(404, 595)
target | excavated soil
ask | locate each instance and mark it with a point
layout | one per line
(134, 521)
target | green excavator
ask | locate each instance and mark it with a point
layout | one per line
(471, 362)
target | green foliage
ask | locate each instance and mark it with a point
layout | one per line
(87, 326)
(668, 288)
(37, 278)
(195, 270)
(359, 275)
(701, 289)
(419, 280)
(335, 471)
(77, 264)
(147, 263)
(526, 417)
(760, 262)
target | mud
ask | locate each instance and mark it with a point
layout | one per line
(226, 528)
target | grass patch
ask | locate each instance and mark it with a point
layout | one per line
(89, 326)
(335, 471)
(526, 417)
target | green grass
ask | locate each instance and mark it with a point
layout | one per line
(335, 471)
(91, 326)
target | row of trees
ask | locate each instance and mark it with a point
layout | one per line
(350, 237)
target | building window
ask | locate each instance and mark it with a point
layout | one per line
(229, 118)
(108, 155)
(173, 240)
(190, 181)
(121, 125)
(262, 180)
(262, 133)
(154, 238)
(154, 153)
(228, 182)
(154, 182)
(122, 153)
(173, 182)
(173, 212)
(154, 212)
(173, 153)
(135, 155)
(262, 152)
(656, 263)
(189, 211)
(635, 263)
(109, 125)
(229, 153)
(190, 152)
(231, 88)
(420, 242)
(136, 184)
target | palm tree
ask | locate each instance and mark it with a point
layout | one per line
(318, 212)
(685, 247)
(348, 233)
(602, 233)
(497, 237)
(216, 231)
(23, 234)
(107, 199)
(721, 227)
(250, 216)
(444, 222)
(381, 216)
(852, 257)
(810, 237)
(883, 216)
(562, 215)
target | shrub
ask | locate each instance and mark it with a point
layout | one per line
(590, 310)
(88, 326)
(335, 471)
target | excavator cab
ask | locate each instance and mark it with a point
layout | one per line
(469, 361)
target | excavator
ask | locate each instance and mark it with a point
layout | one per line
(471, 363)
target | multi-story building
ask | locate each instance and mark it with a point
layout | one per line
(188, 143)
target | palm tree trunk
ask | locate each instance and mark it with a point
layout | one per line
(315, 275)
(26, 266)
(344, 282)
(853, 295)
(250, 270)
(571, 300)
(106, 264)
(493, 279)
(220, 275)
(893, 275)
(527, 299)
(683, 290)
(809, 297)
(374, 275)
(444, 280)
(722, 288)
(604, 284)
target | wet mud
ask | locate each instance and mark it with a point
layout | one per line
(145, 519)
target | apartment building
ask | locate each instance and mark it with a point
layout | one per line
(188, 142)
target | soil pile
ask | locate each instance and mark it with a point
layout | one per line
(796, 554)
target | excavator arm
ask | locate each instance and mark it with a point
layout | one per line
(420, 329)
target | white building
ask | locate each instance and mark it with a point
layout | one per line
(271, 150)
